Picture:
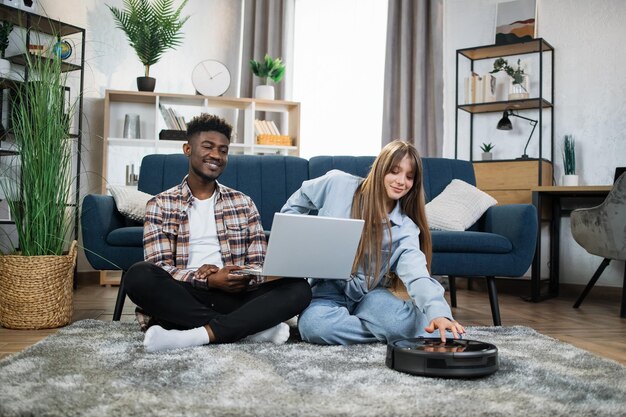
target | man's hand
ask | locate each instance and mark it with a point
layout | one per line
(205, 270)
(227, 281)
(443, 324)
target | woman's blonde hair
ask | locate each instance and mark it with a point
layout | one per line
(368, 204)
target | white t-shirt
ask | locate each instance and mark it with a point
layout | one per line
(204, 246)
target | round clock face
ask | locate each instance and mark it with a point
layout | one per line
(210, 78)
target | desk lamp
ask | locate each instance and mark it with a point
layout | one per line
(505, 124)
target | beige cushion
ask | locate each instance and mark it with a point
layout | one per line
(458, 207)
(130, 201)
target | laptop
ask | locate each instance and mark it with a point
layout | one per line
(303, 246)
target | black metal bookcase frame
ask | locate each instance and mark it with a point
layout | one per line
(536, 46)
(42, 24)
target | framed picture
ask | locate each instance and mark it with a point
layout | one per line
(515, 21)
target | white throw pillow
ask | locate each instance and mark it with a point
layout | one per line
(458, 206)
(129, 201)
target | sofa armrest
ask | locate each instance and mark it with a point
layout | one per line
(518, 223)
(99, 217)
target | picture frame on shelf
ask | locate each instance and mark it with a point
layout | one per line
(515, 22)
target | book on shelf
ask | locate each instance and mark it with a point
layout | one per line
(489, 88)
(265, 127)
(173, 119)
(479, 88)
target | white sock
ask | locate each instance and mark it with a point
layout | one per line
(277, 334)
(158, 339)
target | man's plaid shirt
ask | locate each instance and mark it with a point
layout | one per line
(166, 230)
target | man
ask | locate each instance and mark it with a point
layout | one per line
(196, 236)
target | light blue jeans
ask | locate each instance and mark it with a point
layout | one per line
(334, 319)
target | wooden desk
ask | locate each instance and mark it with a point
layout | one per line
(550, 197)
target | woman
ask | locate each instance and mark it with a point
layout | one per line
(395, 245)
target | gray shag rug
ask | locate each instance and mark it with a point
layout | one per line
(95, 368)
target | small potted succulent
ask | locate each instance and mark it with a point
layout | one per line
(269, 69)
(518, 88)
(5, 31)
(569, 161)
(486, 148)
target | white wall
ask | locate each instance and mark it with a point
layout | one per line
(589, 102)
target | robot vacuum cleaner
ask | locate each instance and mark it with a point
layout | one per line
(454, 358)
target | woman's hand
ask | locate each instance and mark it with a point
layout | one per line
(443, 324)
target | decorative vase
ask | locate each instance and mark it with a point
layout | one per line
(487, 156)
(519, 91)
(570, 180)
(5, 68)
(146, 83)
(264, 92)
(36, 291)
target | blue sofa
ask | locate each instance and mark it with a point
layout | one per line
(501, 243)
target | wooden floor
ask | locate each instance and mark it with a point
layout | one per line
(595, 327)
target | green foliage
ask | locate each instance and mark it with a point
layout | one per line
(487, 147)
(517, 74)
(5, 31)
(38, 187)
(569, 155)
(152, 27)
(273, 69)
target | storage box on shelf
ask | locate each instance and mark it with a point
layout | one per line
(504, 175)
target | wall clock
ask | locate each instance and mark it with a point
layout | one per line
(210, 78)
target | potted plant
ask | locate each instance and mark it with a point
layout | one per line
(5, 31)
(268, 69)
(152, 27)
(486, 148)
(519, 80)
(36, 280)
(569, 161)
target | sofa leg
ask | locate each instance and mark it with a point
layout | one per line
(119, 302)
(452, 287)
(493, 300)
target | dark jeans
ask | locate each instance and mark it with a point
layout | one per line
(231, 316)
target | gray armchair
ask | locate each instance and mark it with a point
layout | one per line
(601, 231)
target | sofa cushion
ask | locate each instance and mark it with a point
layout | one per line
(126, 236)
(458, 206)
(470, 242)
(130, 202)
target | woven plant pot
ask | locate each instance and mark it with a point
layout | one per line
(36, 291)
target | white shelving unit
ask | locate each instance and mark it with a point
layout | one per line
(118, 152)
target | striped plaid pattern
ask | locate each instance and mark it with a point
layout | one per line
(166, 230)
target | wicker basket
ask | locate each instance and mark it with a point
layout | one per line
(275, 140)
(36, 291)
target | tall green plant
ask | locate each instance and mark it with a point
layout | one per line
(40, 120)
(569, 155)
(151, 27)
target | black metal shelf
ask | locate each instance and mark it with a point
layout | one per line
(21, 59)
(500, 106)
(42, 24)
(37, 23)
(537, 46)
